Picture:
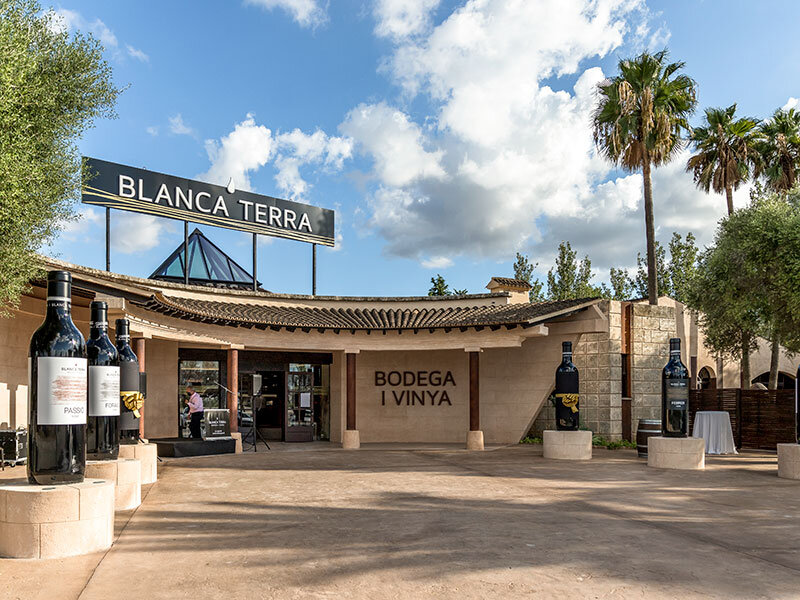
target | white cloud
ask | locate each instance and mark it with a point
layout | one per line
(791, 103)
(70, 20)
(307, 13)
(244, 150)
(437, 262)
(178, 127)
(137, 54)
(506, 146)
(400, 19)
(88, 220)
(297, 149)
(395, 142)
(152, 130)
(133, 232)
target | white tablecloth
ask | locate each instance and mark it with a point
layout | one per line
(714, 426)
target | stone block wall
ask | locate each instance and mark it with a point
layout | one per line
(599, 362)
(651, 329)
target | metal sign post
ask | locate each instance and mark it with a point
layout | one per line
(108, 239)
(313, 269)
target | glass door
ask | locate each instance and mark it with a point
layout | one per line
(299, 404)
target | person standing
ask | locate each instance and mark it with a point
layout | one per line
(195, 403)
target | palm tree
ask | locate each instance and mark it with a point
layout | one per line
(638, 121)
(725, 150)
(779, 150)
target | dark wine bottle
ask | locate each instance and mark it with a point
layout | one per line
(130, 397)
(567, 386)
(102, 430)
(57, 371)
(674, 393)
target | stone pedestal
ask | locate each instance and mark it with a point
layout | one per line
(54, 521)
(789, 461)
(351, 439)
(237, 437)
(567, 445)
(147, 455)
(676, 453)
(475, 440)
(126, 473)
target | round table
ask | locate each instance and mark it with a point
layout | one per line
(714, 426)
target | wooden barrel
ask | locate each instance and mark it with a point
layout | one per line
(646, 429)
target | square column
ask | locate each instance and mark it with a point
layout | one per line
(351, 440)
(474, 435)
(233, 389)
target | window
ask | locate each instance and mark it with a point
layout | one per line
(205, 378)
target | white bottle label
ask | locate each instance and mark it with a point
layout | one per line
(61, 391)
(103, 391)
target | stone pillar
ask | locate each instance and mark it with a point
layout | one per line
(351, 440)
(140, 354)
(233, 388)
(474, 435)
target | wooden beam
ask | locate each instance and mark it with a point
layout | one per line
(351, 390)
(474, 390)
(233, 388)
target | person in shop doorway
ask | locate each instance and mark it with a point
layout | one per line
(195, 403)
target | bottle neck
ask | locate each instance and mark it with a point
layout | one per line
(98, 329)
(675, 354)
(566, 357)
(58, 308)
(123, 340)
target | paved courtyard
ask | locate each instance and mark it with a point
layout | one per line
(388, 522)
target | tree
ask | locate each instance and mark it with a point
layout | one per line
(523, 270)
(52, 88)
(779, 150)
(571, 278)
(725, 151)
(638, 121)
(439, 287)
(621, 285)
(749, 279)
(673, 274)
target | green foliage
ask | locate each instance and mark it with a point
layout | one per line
(530, 440)
(523, 270)
(779, 150)
(599, 440)
(439, 287)
(673, 275)
(460, 292)
(749, 279)
(725, 151)
(570, 278)
(621, 285)
(52, 88)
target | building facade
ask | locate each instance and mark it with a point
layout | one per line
(419, 369)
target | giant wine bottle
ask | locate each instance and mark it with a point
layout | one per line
(102, 431)
(57, 377)
(674, 393)
(567, 410)
(130, 396)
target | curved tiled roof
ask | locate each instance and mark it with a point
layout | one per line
(365, 319)
(509, 282)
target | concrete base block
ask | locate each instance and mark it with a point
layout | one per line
(41, 521)
(475, 440)
(147, 455)
(567, 445)
(238, 439)
(789, 461)
(127, 475)
(676, 453)
(351, 439)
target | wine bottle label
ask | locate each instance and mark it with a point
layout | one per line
(103, 391)
(677, 394)
(61, 390)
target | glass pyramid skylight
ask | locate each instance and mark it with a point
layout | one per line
(208, 265)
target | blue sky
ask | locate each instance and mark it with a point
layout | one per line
(446, 135)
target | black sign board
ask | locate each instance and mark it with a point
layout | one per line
(216, 423)
(129, 188)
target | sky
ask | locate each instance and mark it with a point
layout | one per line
(446, 135)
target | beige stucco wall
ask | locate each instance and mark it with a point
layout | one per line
(161, 406)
